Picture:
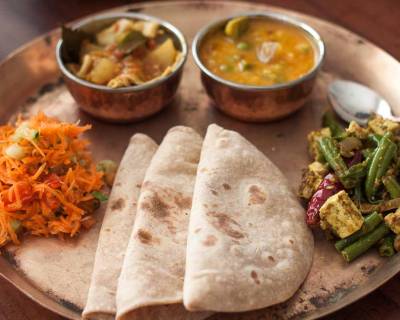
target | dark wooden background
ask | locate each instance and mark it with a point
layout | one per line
(378, 21)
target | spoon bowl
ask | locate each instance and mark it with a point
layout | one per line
(353, 101)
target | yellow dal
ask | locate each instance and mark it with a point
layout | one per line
(294, 57)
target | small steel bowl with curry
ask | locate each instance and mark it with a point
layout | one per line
(258, 66)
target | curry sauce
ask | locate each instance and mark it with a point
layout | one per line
(258, 51)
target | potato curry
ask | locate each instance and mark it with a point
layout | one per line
(127, 53)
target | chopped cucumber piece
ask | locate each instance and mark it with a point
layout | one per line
(24, 132)
(109, 168)
(100, 196)
(15, 151)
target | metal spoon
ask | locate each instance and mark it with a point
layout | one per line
(355, 102)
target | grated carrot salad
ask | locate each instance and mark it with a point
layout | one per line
(47, 177)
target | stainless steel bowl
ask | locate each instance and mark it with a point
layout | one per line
(259, 103)
(127, 104)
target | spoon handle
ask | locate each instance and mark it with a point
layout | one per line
(394, 118)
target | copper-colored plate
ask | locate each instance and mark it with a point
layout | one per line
(331, 284)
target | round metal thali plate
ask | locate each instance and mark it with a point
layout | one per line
(30, 82)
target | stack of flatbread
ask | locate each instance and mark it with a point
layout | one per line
(195, 227)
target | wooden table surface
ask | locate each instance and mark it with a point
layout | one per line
(378, 21)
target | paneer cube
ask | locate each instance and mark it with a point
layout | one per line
(380, 125)
(340, 215)
(393, 221)
(357, 131)
(313, 147)
(312, 178)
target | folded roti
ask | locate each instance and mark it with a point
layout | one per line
(151, 282)
(117, 227)
(248, 244)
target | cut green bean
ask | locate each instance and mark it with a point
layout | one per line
(370, 223)
(353, 176)
(375, 138)
(392, 186)
(367, 152)
(386, 248)
(329, 120)
(332, 156)
(358, 196)
(380, 163)
(348, 177)
(380, 207)
(362, 245)
(387, 159)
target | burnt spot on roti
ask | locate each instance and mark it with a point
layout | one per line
(197, 230)
(138, 185)
(171, 227)
(256, 195)
(118, 204)
(163, 203)
(144, 236)
(210, 240)
(215, 193)
(291, 241)
(226, 186)
(254, 276)
(156, 206)
(183, 202)
(225, 224)
(271, 258)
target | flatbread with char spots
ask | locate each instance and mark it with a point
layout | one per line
(248, 244)
(117, 226)
(151, 281)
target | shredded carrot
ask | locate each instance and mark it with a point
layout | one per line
(41, 191)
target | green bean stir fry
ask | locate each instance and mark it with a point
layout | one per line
(352, 186)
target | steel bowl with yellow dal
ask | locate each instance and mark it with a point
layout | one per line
(258, 66)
